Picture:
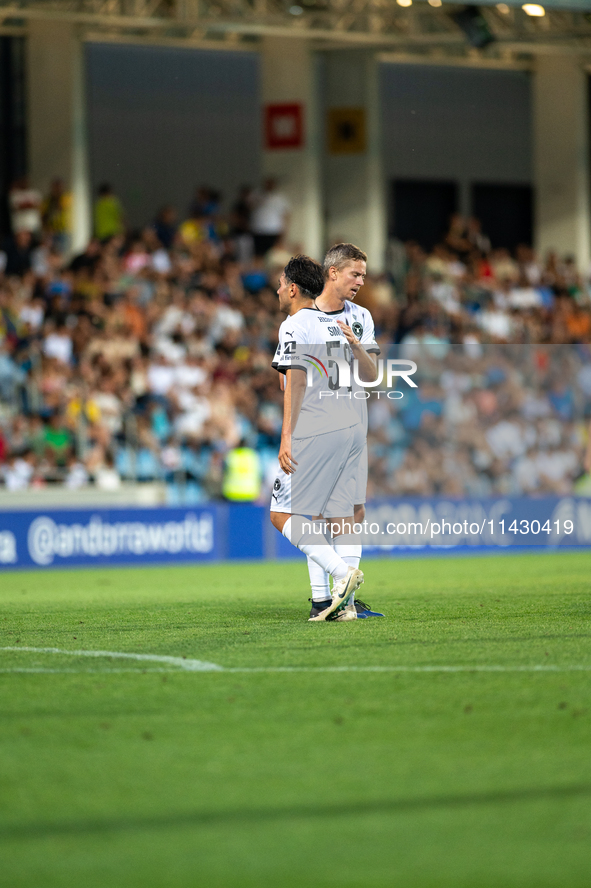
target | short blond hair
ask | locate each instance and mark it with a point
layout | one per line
(338, 256)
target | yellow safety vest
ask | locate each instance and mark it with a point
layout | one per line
(242, 476)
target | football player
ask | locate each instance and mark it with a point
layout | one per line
(322, 438)
(345, 267)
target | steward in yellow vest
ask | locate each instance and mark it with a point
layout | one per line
(242, 475)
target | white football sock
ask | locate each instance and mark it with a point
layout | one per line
(299, 530)
(349, 551)
(318, 581)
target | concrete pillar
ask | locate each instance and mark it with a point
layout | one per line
(356, 200)
(561, 157)
(288, 69)
(465, 198)
(57, 124)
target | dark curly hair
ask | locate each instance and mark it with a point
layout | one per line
(306, 274)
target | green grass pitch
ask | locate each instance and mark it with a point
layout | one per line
(142, 774)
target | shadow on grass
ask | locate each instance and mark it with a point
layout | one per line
(253, 816)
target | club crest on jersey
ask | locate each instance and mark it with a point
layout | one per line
(277, 485)
(357, 329)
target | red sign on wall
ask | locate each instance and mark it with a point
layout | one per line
(284, 126)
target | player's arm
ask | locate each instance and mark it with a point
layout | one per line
(277, 359)
(295, 387)
(367, 363)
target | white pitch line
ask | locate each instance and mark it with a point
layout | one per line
(540, 668)
(182, 662)
(190, 665)
(41, 671)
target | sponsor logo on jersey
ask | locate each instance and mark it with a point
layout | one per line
(324, 320)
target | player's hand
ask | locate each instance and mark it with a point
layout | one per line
(348, 333)
(286, 461)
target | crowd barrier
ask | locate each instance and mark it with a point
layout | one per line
(221, 531)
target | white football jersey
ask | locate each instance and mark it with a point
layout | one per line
(361, 322)
(311, 340)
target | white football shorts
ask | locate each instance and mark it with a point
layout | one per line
(326, 475)
(361, 482)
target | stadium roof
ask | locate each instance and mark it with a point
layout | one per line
(435, 31)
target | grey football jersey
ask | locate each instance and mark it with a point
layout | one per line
(312, 341)
(361, 322)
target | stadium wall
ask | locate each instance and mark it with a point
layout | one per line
(98, 537)
(459, 124)
(163, 120)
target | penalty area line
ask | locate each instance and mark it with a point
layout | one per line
(185, 664)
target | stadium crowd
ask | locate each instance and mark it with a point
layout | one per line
(147, 356)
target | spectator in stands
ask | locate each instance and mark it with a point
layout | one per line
(19, 471)
(108, 214)
(58, 343)
(18, 254)
(457, 236)
(25, 207)
(475, 236)
(195, 229)
(11, 375)
(77, 475)
(241, 211)
(240, 228)
(206, 203)
(270, 217)
(58, 440)
(56, 212)
(165, 226)
(150, 359)
(89, 259)
(106, 476)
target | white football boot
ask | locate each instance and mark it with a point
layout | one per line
(341, 593)
(347, 613)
